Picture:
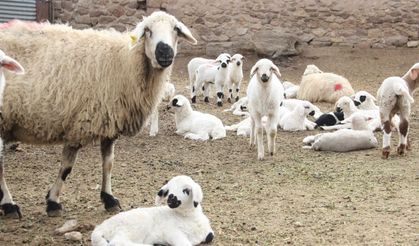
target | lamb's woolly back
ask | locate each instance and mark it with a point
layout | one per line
(117, 106)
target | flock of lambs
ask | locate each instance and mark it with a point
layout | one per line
(81, 86)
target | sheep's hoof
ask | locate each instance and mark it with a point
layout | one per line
(193, 99)
(219, 104)
(386, 152)
(54, 209)
(206, 99)
(11, 211)
(111, 203)
(401, 150)
(229, 100)
(237, 98)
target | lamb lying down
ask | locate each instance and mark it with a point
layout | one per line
(193, 124)
(243, 127)
(181, 222)
(357, 138)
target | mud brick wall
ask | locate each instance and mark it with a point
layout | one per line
(267, 27)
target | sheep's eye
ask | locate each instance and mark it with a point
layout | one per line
(147, 30)
(186, 191)
(177, 29)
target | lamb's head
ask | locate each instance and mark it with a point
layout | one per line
(345, 104)
(413, 75)
(181, 192)
(223, 60)
(179, 103)
(363, 98)
(160, 32)
(311, 69)
(237, 59)
(10, 64)
(308, 109)
(264, 69)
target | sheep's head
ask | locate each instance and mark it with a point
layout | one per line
(237, 59)
(361, 97)
(181, 193)
(344, 104)
(264, 69)
(178, 103)
(308, 109)
(413, 74)
(10, 64)
(223, 60)
(311, 69)
(161, 32)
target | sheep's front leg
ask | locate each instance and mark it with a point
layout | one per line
(252, 133)
(154, 126)
(194, 87)
(69, 155)
(220, 93)
(238, 91)
(205, 89)
(10, 209)
(271, 127)
(230, 92)
(259, 137)
(107, 151)
(386, 138)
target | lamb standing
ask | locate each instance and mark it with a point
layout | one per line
(265, 94)
(395, 96)
(235, 76)
(169, 92)
(181, 223)
(113, 87)
(193, 124)
(6, 201)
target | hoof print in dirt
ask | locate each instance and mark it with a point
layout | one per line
(111, 203)
(11, 211)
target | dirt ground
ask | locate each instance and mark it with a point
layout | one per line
(296, 197)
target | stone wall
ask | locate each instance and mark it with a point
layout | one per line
(267, 27)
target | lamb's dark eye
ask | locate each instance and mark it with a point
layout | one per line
(186, 191)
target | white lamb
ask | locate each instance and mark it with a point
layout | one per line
(295, 120)
(239, 108)
(358, 138)
(265, 94)
(169, 92)
(291, 89)
(193, 66)
(290, 104)
(193, 124)
(243, 128)
(364, 100)
(181, 223)
(235, 76)
(395, 96)
(207, 74)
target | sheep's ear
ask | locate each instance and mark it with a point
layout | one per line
(185, 33)
(275, 69)
(12, 65)
(371, 96)
(197, 194)
(162, 194)
(414, 73)
(253, 70)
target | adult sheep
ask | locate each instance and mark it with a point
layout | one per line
(83, 86)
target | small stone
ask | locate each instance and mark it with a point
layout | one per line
(74, 236)
(69, 225)
(412, 44)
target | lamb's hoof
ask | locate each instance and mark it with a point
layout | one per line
(386, 152)
(237, 98)
(229, 100)
(11, 211)
(111, 203)
(401, 150)
(219, 104)
(206, 99)
(193, 99)
(54, 209)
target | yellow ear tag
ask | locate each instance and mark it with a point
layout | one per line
(134, 39)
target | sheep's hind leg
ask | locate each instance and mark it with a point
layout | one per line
(54, 208)
(10, 209)
(386, 139)
(403, 132)
(107, 150)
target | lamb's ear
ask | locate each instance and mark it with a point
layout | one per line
(253, 70)
(12, 65)
(185, 33)
(275, 69)
(162, 194)
(371, 96)
(414, 73)
(197, 194)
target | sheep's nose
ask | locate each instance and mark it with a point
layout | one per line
(357, 103)
(171, 196)
(224, 65)
(164, 54)
(338, 109)
(264, 78)
(238, 63)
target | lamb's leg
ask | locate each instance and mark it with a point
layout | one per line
(69, 155)
(252, 133)
(206, 89)
(271, 127)
(220, 94)
(10, 209)
(403, 132)
(154, 126)
(386, 138)
(238, 91)
(259, 137)
(230, 92)
(195, 86)
(107, 151)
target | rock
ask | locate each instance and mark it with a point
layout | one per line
(275, 43)
(106, 19)
(74, 236)
(397, 41)
(412, 44)
(69, 225)
(83, 19)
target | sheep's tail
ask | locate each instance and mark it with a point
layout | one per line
(98, 239)
(401, 90)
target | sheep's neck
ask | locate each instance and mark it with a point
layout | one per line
(182, 114)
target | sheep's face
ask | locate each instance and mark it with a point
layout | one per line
(237, 60)
(343, 104)
(311, 69)
(223, 60)
(181, 192)
(178, 102)
(308, 109)
(161, 32)
(10, 64)
(361, 97)
(264, 69)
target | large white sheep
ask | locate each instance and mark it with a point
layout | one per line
(295, 120)
(193, 124)
(86, 85)
(358, 138)
(265, 94)
(6, 201)
(323, 87)
(395, 96)
(169, 92)
(235, 76)
(180, 223)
